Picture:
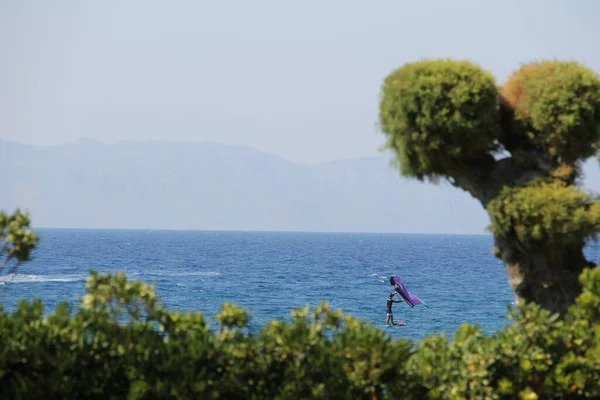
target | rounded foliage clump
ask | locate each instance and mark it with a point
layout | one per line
(552, 213)
(17, 240)
(232, 316)
(553, 106)
(438, 113)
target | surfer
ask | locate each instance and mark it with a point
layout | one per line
(390, 315)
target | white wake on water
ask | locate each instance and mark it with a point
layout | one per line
(31, 278)
(379, 277)
(20, 278)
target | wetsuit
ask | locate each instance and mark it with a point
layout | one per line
(389, 304)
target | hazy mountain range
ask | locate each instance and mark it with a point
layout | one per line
(174, 185)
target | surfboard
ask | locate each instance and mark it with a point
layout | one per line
(394, 326)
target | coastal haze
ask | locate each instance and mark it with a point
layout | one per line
(210, 186)
(170, 185)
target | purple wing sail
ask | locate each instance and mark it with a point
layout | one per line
(408, 297)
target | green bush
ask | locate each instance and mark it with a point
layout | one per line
(122, 343)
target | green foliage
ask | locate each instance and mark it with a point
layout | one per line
(545, 212)
(16, 239)
(437, 113)
(538, 356)
(122, 343)
(447, 119)
(232, 316)
(553, 106)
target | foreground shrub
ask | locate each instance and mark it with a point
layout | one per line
(122, 343)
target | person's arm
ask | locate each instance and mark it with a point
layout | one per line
(398, 301)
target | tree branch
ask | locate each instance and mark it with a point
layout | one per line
(471, 176)
(484, 178)
(518, 170)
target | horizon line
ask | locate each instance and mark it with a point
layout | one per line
(343, 232)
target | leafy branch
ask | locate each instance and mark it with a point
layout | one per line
(17, 241)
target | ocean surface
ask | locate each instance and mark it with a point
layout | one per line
(272, 273)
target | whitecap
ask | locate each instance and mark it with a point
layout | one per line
(183, 273)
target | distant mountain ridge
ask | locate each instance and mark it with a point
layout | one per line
(211, 186)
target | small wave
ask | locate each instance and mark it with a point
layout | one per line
(19, 278)
(199, 273)
(190, 273)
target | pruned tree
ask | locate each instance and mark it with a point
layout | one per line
(517, 149)
(16, 240)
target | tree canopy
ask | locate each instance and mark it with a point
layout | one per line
(554, 107)
(440, 113)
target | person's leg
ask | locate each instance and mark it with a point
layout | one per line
(395, 323)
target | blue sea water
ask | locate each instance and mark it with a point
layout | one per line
(271, 273)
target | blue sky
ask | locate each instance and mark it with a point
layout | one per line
(296, 78)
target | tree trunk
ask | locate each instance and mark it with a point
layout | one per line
(544, 275)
